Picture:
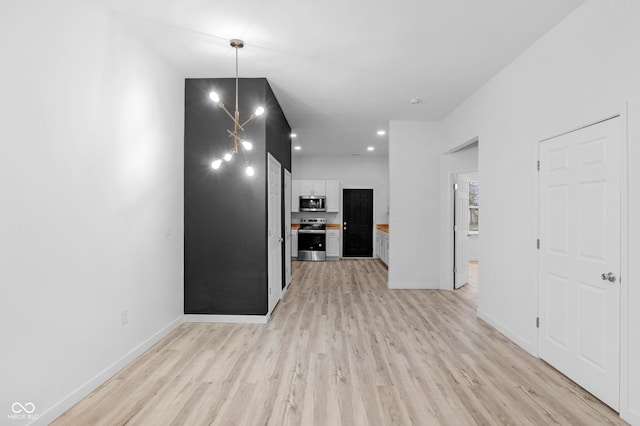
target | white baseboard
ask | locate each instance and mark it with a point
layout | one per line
(524, 344)
(630, 416)
(92, 384)
(233, 319)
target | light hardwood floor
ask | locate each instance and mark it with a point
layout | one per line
(342, 349)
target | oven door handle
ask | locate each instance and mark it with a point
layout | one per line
(311, 231)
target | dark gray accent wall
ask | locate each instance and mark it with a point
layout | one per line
(279, 145)
(226, 210)
(278, 131)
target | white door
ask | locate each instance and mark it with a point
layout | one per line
(461, 232)
(579, 246)
(274, 234)
(287, 226)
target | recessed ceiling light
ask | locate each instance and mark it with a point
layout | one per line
(297, 148)
(293, 135)
(381, 132)
(415, 101)
(370, 148)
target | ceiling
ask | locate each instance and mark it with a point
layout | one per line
(342, 70)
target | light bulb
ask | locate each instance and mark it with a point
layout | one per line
(247, 145)
(259, 111)
(370, 148)
(381, 132)
(216, 164)
(227, 156)
(214, 97)
(250, 171)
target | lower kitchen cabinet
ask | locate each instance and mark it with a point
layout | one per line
(294, 243)
(382, 246)
(333, 243)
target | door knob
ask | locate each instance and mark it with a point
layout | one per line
(611, 277)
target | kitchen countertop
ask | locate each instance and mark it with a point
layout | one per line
(384, 227)
(335, 226)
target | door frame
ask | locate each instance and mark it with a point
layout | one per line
(620, 111)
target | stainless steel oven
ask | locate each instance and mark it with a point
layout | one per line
(312, 238)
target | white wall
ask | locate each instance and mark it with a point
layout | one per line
(91, 204)
(574, 75)
(414, 194)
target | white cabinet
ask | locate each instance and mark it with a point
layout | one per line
(332, 192)
(294, 243)
(333, 243)
(382, 246)
(318, 187)
(306, 186)
(312, 187)
(295, 197)
(329, 188)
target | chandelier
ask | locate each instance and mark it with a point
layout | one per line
(239, 144)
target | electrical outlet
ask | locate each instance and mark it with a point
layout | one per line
(125, 316)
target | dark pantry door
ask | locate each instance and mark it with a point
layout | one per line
(357, 225)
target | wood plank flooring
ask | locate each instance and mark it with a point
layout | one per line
(342, 349)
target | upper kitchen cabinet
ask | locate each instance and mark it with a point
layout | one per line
(332, 192)
(327, 188)
(312, 187)
(295, 196)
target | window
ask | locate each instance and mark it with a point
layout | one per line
(474, 206)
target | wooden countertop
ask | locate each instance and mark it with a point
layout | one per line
(384, 227)
(336, 226)
(333, 226)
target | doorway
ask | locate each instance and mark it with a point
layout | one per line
(357, 223)
(274, 232)
(580, 256)
(287, 230)
(461, 163)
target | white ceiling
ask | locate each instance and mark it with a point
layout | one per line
(341, 69)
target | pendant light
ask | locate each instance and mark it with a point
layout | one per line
(239, 144)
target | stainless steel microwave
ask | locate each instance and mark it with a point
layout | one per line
(313, 203)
